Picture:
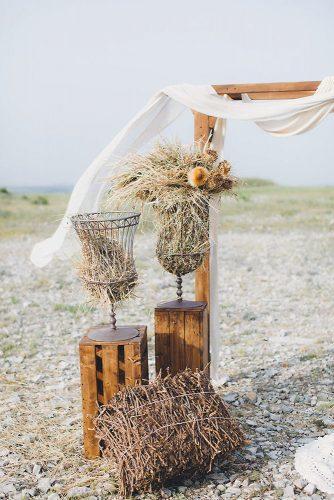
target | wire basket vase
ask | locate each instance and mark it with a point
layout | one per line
(107, 268)
(182, 244)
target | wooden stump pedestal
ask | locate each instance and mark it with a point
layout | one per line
(105, 368)
(181, 336)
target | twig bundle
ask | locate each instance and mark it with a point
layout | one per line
(172, 428)
(178, 181)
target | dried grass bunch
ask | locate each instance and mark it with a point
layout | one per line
(183, 237)
(171, 174)
(178, 181)
(107, 268)
(106, 271)
(172, 428)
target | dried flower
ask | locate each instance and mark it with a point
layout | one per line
(198, 176)
(226, 167)
(212, 153)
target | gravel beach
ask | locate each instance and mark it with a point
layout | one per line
(276, 361)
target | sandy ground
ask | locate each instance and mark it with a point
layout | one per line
(277, 319)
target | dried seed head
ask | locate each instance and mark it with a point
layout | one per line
(226, 167)
(218, 183)
(213, 154)
(198, 176)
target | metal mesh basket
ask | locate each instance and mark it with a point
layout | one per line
(183, 242)
(107, 268)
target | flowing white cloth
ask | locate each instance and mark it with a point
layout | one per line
(284, 117)
(217, 144)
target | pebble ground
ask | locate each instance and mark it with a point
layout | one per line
(276, 365)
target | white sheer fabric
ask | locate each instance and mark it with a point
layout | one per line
(281, 118)
(286, 117)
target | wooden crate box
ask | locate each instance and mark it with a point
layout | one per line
(105, 368)
(181, 337)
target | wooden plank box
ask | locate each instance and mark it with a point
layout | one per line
(105, 368)
(181, 337)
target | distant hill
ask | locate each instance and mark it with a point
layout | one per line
(40, 189)
(247, 181)
(257, 182)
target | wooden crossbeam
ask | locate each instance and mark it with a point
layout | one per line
(262, 91)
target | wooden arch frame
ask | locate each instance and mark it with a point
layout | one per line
(203, 127)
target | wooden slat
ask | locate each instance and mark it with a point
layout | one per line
(261, 96)
(162, 342)
(202, 129)
(89, 399)
(144, 367)
(100, 399)
(212, 122)
(239, 88)
(204, 336)
(110, 371)
(128, 364)
(176, 330)
(202, 275)
(192, 340)
(132, 362)
(202, 126)
(144, 358)
(136, 366)
(202, 281)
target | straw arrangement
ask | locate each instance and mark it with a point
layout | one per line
(107, 273)
(182, 240)
(172, 428)
(170, 174)
(107, 267)
(178, 181)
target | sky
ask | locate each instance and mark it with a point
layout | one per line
(74, 72)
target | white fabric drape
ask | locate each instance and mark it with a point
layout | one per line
(282, 118)
(217, 144)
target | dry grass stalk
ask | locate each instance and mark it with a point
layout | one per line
(183, 238)
(178, 181)
(163, 177)
(107, 272)
(172, 428)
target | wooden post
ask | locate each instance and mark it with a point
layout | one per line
(203, 124)
(106, 367)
